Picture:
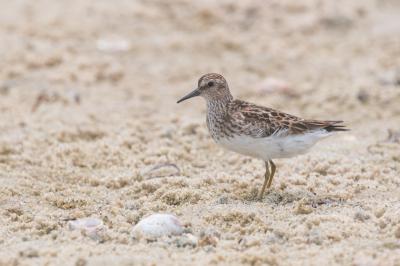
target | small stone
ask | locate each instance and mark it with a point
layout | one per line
(187, 240)
(248, 242)
(4, 88)
(380, 212)
(192, 240)
(209, 238)
(392, 245)
(361, 216)
(390, 78)
(363, 96)
(336, 22)
(302, 208)
(315, 237)
(156, 226)
(74, 96)
(29, 253)
(393, 136)
(222, 200)
(382, 224)
(397, 232)
(190, 128)
(80, 262)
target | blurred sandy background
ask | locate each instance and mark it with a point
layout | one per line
(88, 110)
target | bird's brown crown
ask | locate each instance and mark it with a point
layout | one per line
(211, 77)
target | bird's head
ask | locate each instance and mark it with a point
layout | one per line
(212, 87)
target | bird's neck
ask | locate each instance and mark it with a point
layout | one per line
(217, 111)
(219, 106)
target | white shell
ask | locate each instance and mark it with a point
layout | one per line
(90, 226)
(157, 225)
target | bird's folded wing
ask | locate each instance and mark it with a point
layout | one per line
(261, 122)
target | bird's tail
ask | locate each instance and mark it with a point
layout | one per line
(330, 126)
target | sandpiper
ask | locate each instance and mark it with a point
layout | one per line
(257, 131)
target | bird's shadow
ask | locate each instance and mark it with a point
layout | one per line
(283, 197)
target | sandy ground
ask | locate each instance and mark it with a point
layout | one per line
(87, 111)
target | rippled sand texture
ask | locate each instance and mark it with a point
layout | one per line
(89, 127)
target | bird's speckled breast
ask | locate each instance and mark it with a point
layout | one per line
(217, 123)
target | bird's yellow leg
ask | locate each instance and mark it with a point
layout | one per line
(273, 168)
(266, 180)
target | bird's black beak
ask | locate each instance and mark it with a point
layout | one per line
(194, 93)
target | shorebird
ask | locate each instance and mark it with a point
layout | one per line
(257, 131)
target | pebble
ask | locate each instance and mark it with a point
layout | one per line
(91, 227)
(302, 208)
(363, 96)
(113, 44)
(187, 240)
(29, 253)
(393, 136)
(379, 212)
(390, 78)
(361, 216)
(156, 226)
(209, 238)
(336, 22)
(397, 232)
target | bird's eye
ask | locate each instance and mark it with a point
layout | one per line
(210, 84)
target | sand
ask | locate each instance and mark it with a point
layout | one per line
(89, 127)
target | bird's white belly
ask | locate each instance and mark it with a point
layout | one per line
(274, 146)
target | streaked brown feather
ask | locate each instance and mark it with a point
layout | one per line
(259, 121)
